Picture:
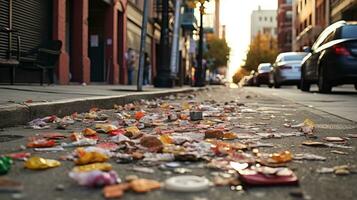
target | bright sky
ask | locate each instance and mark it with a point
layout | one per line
(235, 14)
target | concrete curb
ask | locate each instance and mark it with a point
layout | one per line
(18, 114)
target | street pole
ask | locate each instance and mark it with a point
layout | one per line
(175, 41)
(199, 81)
(163, 78)
(142, 47)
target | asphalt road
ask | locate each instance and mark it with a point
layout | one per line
(272, 111)
(342, 101)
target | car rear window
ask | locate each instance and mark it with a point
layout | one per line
(265, 68)
(349, 31)
(294, 57)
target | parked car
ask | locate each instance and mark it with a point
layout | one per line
(332, 60)
(286, 69)
(218, 79)
(248, 80)
(262, 76)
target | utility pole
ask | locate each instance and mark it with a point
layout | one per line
(163, 78)
(142, 46)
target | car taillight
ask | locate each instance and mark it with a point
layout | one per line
(286, 67)
(339, 49)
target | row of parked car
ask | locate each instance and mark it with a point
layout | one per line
(331, 61)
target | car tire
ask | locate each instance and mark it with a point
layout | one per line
(356, 86)
(324, 86)
(304, 85)
(276, 84)
(270, 85)
(298, 86)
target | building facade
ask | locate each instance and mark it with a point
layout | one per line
(343, 10)
(95, 36)
(310, 17)
(263, 22)
(284, 20)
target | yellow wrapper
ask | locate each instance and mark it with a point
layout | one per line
(186, 106)
(41, 163)
(165, 139)
(89, 132)
(85, 157)
(106, 127)
(133, 129)
(309, 123)
(94, 166)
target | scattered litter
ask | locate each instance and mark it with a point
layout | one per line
(187, 183)
(309, 156)
(95, 178)
(38, 163)
(10, 185)
(5, 164)
(177, 136)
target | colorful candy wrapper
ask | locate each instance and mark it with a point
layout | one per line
(37, 163)
(91, 155)
(95, 178)
(93, 167)
(5, 165)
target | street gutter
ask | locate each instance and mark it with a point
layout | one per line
(19, 114)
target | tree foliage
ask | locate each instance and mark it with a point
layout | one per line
(263, 49)
(239, 75)
(217, 51)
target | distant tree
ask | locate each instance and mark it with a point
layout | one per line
(263, 49)
(239, 74)
(217, 51)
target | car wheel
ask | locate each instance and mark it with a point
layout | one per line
(356, 86)
(276, 84)
(270, 85)
(324, 86)
(298, 86)
(304, 85)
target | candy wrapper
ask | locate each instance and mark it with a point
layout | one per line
(41, 163)
(82, 142)
(40, 143)
(95, 178)
(91, 155)
(93, 167)
(5, 165)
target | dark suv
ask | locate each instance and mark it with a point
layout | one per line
(332, 60)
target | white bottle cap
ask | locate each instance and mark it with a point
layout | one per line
(187, 183)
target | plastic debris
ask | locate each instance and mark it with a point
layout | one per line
(334, 139)
(82, 142)
(309, 156)
(268, 176)
(338, 170)
(195, 116)
(187, 183)
(38, 163)
(115, 191)
(9, 185)
(144, 185)
(19, 156)
(281, 157)
(89, 132)
(53, 149)
(40, 143)
(95, 178)
(93, 167)
(5, 164)
(91, 155)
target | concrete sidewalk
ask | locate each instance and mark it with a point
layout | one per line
(22, 103)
